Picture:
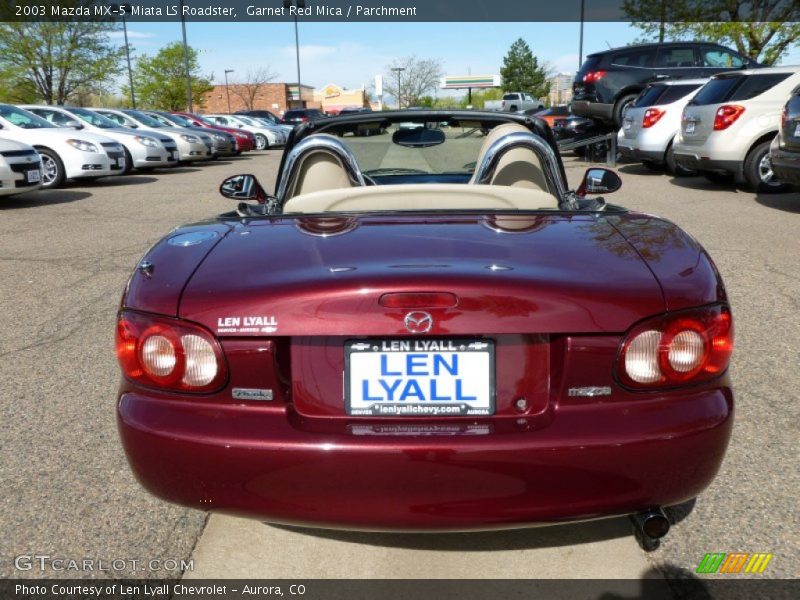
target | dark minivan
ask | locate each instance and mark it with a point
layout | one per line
(301, 115)
(609, 81)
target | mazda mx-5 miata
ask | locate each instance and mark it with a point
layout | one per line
(426, 330)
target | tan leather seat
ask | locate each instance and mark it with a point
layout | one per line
(319, 171)
(426, 196)
(517, 167)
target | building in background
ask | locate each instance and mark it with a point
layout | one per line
(561, 89)
(334, 98)
(274, 97)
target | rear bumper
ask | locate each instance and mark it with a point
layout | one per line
(585, 108)
(656, 156)
(785, 163)
(570, 463)
(695, 162)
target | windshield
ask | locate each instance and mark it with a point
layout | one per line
(179, 120)
(247, 120)
(144, 119)
(23, 118)
(94, 119)
(378, 153)
(161, 119)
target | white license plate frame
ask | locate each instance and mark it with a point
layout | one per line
(443, 394)
(690, 127)
(797, 130)
(33, 176)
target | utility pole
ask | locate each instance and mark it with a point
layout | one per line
(124, 8)
(186, 62)
(580, 44)
(298, 4)
(398, 70)
(227, 91)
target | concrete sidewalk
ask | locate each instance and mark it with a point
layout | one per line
(241, 548)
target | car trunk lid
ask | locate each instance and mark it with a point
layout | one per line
(510, 274)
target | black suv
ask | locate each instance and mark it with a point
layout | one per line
(785, 149)
(609, 81)
(301, 115)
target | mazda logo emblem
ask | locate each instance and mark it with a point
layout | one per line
(418, 322)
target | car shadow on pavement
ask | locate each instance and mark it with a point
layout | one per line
(640, 169)
(481, 541)
(179, 169)
(701, 183)
(42, 198)
(217, 163)
(122, 180)
(788, 202)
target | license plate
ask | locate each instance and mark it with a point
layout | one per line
(627, 124)
(690, 125)
(797, 130)
(33, 176)
(419, 377)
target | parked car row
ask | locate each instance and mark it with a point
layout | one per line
(733, 126)
(42, 146)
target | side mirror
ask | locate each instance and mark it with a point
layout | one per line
(73, 124)
(599, 181)
(243, 187)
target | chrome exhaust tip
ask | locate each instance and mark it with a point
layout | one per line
(653, 523)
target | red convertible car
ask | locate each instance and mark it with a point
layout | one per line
(426, 330)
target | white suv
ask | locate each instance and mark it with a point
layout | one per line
(651, 123)
(66, 154)
(726, 129)
(20, 168)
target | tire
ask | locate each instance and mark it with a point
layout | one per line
(128, 162)
(53, 174)
(261, 142)
(579, 152)
(653, 166)
(758, 171)
(620, 107)
(715, 177)
(673, 167)
(513, 108)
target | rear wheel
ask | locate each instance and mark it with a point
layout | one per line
(52, 169)
(620, 106)
(513, 108)
(261, 142)
(758, 171)
(673, 167)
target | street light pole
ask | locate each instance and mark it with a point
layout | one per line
(124, 9)
(227, 91)
(398, 70)
(580, 43)
(186, 61)
(298, 4)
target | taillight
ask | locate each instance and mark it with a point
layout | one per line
(169, 353)
(651, 117)
(676, 349)
(784, 116)
(727, 115)
(593, 76)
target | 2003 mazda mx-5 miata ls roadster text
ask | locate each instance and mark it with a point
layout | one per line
(426, 330)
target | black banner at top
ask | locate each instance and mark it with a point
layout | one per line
(403, 10)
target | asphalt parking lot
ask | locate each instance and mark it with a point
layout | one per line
(65, 256)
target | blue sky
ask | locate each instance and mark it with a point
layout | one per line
(351, 54)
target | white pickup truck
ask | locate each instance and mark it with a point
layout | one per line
(513, 102)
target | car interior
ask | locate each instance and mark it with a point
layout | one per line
(322, 183)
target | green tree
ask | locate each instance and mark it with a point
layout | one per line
(160, 80)
(521, 71)
(763, 31)
(55, 61)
